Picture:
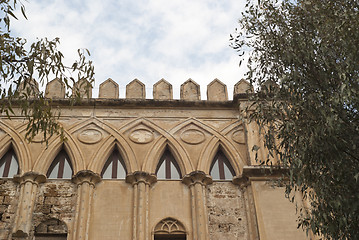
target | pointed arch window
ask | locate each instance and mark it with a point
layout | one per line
(8, 164)
(115, 167)
(221, 168)
(61, 167)
(169, 228)
(167, 167)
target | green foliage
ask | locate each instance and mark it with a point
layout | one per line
(42, 60)
(310, 48)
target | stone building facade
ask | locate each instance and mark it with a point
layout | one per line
(142, 169)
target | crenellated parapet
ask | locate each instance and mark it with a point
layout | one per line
(162, 90)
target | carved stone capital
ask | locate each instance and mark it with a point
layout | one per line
(33, 177)
(197, 177)
(139, 176)
(86, 176)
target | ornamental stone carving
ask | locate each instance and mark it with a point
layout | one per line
(141, 136)
(169, 226)
(197, 177)
(141, 177)
(90, 136)
(192, 136)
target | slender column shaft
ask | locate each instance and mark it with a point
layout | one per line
(135, 212)
(141, 182)
(29, 183)
(201, 220)
(141, 210)
(86, 181)
(197, 181)
(193, 211)
(147, 208)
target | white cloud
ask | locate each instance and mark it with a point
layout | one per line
(148, 40)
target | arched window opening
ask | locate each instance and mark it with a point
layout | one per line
(115, 167)
(169, 228)
(51, 229)
(167, 167)
(61, 167)
(8, 164)
(221, 168)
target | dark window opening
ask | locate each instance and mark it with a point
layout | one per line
(115, 167)
(221, 168)
(170, 236)
(61, 167)
(8, 164)
(167, 167)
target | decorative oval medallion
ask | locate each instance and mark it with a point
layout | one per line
(90, 136)
(238, 137)
(141, 136)
(192, 136)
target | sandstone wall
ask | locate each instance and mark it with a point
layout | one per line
(8, 205)
(56, 199)
(226, 212)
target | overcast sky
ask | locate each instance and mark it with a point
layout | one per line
(143, 39)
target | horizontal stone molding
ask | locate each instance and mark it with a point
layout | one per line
(260, 173)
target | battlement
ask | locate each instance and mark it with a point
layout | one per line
(162, 90)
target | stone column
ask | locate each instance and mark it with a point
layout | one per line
(245, 187)
(141, 182)
(197, 182)
(86, 181)
(29, 183)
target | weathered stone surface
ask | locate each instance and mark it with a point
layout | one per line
(162, 90)
(141, 130)
(109, 89)
(242, 86)
(217, 91)
(190, 90)
(8, 205)
(55, 89)
(83, 88)
(226, 212)
(54, 207)
(29, 88)
(136, 90)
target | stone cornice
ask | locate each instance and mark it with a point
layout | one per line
(260, 173)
